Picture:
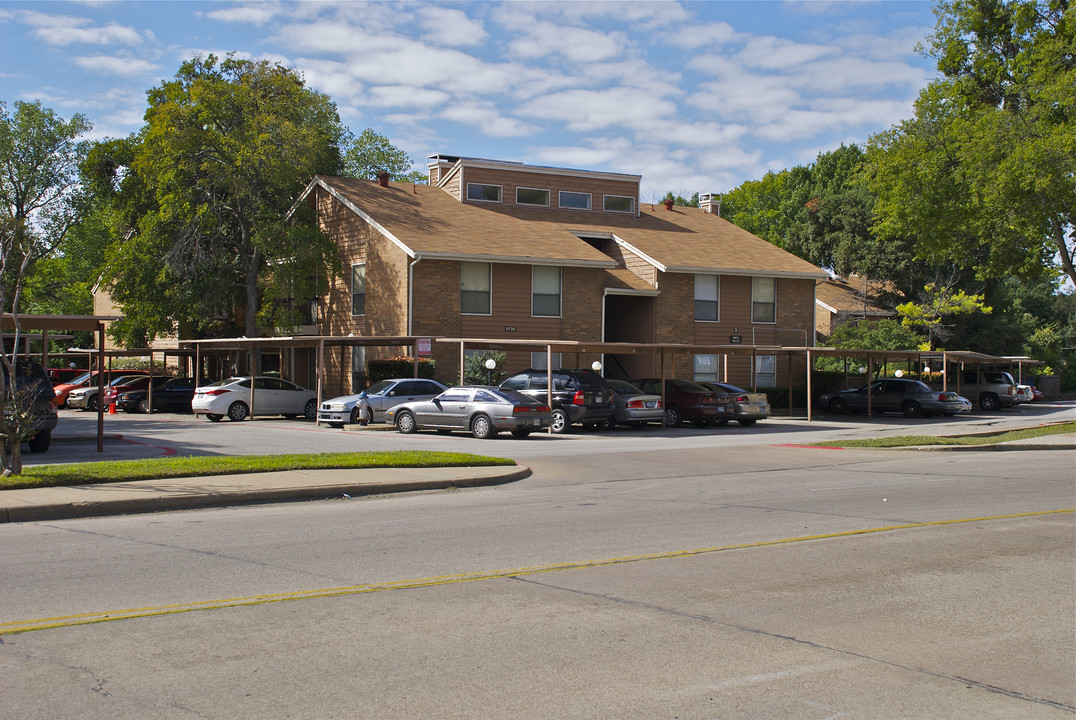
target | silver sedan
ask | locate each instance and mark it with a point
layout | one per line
(631, 406)
(484, 411)
(747, 407)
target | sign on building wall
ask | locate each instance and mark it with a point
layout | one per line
(424, 347)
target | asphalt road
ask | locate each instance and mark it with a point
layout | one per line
(665, 574)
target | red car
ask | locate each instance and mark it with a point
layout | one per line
(62, 390)
(687, 400)
(136, 383)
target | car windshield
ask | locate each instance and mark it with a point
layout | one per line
(625, 388)
(379, 387)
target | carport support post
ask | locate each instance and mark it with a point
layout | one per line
(100, 387)
(808, 385)
(549, 381)
(945, 372)
(790, 400)
(664, 405)
(321, 372)
(462, 352)
(870, 378)
(149, 388)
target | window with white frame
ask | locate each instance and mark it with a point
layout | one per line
(706, 294)
(532, 196)
(766, 370)
(574, 200)
(618, 203)
(764, 300)
(545, 291)
(483, 193)
(706, 368)
(358, 289)
(538, 361)
(475, 288)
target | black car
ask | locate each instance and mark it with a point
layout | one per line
(579, 396)
(687, 400)
(175, 395)
(35, 393)
(911, 397)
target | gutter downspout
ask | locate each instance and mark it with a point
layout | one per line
(411, 295)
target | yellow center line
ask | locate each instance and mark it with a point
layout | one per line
(22, 626)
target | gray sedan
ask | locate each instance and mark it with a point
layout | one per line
(747, 407)
(483, 411)
(911, 397)
(631, 406)
(370, 405)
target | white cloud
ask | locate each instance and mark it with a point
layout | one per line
(406, 96)
(774, 53)
(485, 118)
(587, 110)
(127, 67)
(578, 45)
(702, 35)
(63, 30)
(255, 14)
(447, 26)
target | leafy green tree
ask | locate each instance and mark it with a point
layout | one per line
(885, 334)
(475, 371)
(371, 153)
(681, 201)
(984, 173)
(40, 199)
(201, 194)
(768, 207)
(939, 303)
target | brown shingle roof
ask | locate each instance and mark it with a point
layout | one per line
(430, 222)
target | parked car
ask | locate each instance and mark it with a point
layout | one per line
(272, 396)
(86, 397)
(135, 382)
(1036, 394)
(995, 388)
(484, 411)
(35, 392)
(579, 396)
(965, 404)
(370, 405)
(631, 406)
(911, 397)
(747, 407)
(1024, 394)
(86, 379)
(687, 400)
(173, 396)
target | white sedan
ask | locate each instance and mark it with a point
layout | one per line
(272, 396)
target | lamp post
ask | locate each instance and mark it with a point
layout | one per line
(490, 364)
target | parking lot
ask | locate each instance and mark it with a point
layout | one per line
(130, 436)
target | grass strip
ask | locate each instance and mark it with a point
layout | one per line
(976, 439)
(88, 473)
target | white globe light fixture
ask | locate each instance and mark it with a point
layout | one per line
(596, 366)
(490, 364)
(899, 373)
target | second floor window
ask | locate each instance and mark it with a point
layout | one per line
(475, 288)
(532, 196)
(358, 289)
(545, 291)
(574, 200)
(706, 290)
(764, 300)
(483, 193)
(618, 203)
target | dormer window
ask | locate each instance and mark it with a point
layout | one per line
(574, 200)
(532, 196)
(619, 203)
(483, 193)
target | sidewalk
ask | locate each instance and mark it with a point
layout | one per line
(54, 503)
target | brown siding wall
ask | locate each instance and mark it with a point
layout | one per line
(509, 181)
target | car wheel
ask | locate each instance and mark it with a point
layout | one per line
(521, 433)
(143, 406)
(310, 410)
(40, 442)
(673, 416)
(237, 411)
(367, 416)
(212, 417)
(911, 409)
(989, 402)
(482, 427)
(838, 405)
(91, 403)
(560, 422)
(355, 415)
(405, 422)
(747, 422)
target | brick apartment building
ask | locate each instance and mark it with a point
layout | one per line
(493, 249)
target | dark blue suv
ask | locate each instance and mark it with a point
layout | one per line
(579, 396)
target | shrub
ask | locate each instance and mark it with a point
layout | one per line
(399, 367)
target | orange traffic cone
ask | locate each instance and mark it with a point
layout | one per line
(112, 408)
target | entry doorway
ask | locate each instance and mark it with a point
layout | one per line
(629, 318)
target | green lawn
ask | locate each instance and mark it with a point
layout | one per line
(171, 467)
(977, 439)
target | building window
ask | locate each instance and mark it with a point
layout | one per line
(475, 288)
(574, 200)
(619, 203)
(538, 361)
(531, 196)
(358, 289)
(706, 368)
(764, 300)
(765, 370)
(483, 193)
(706, 293)
(545, 291)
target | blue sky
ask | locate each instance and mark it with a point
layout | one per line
(693, 96)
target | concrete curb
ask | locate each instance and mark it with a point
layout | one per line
(191, 493)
